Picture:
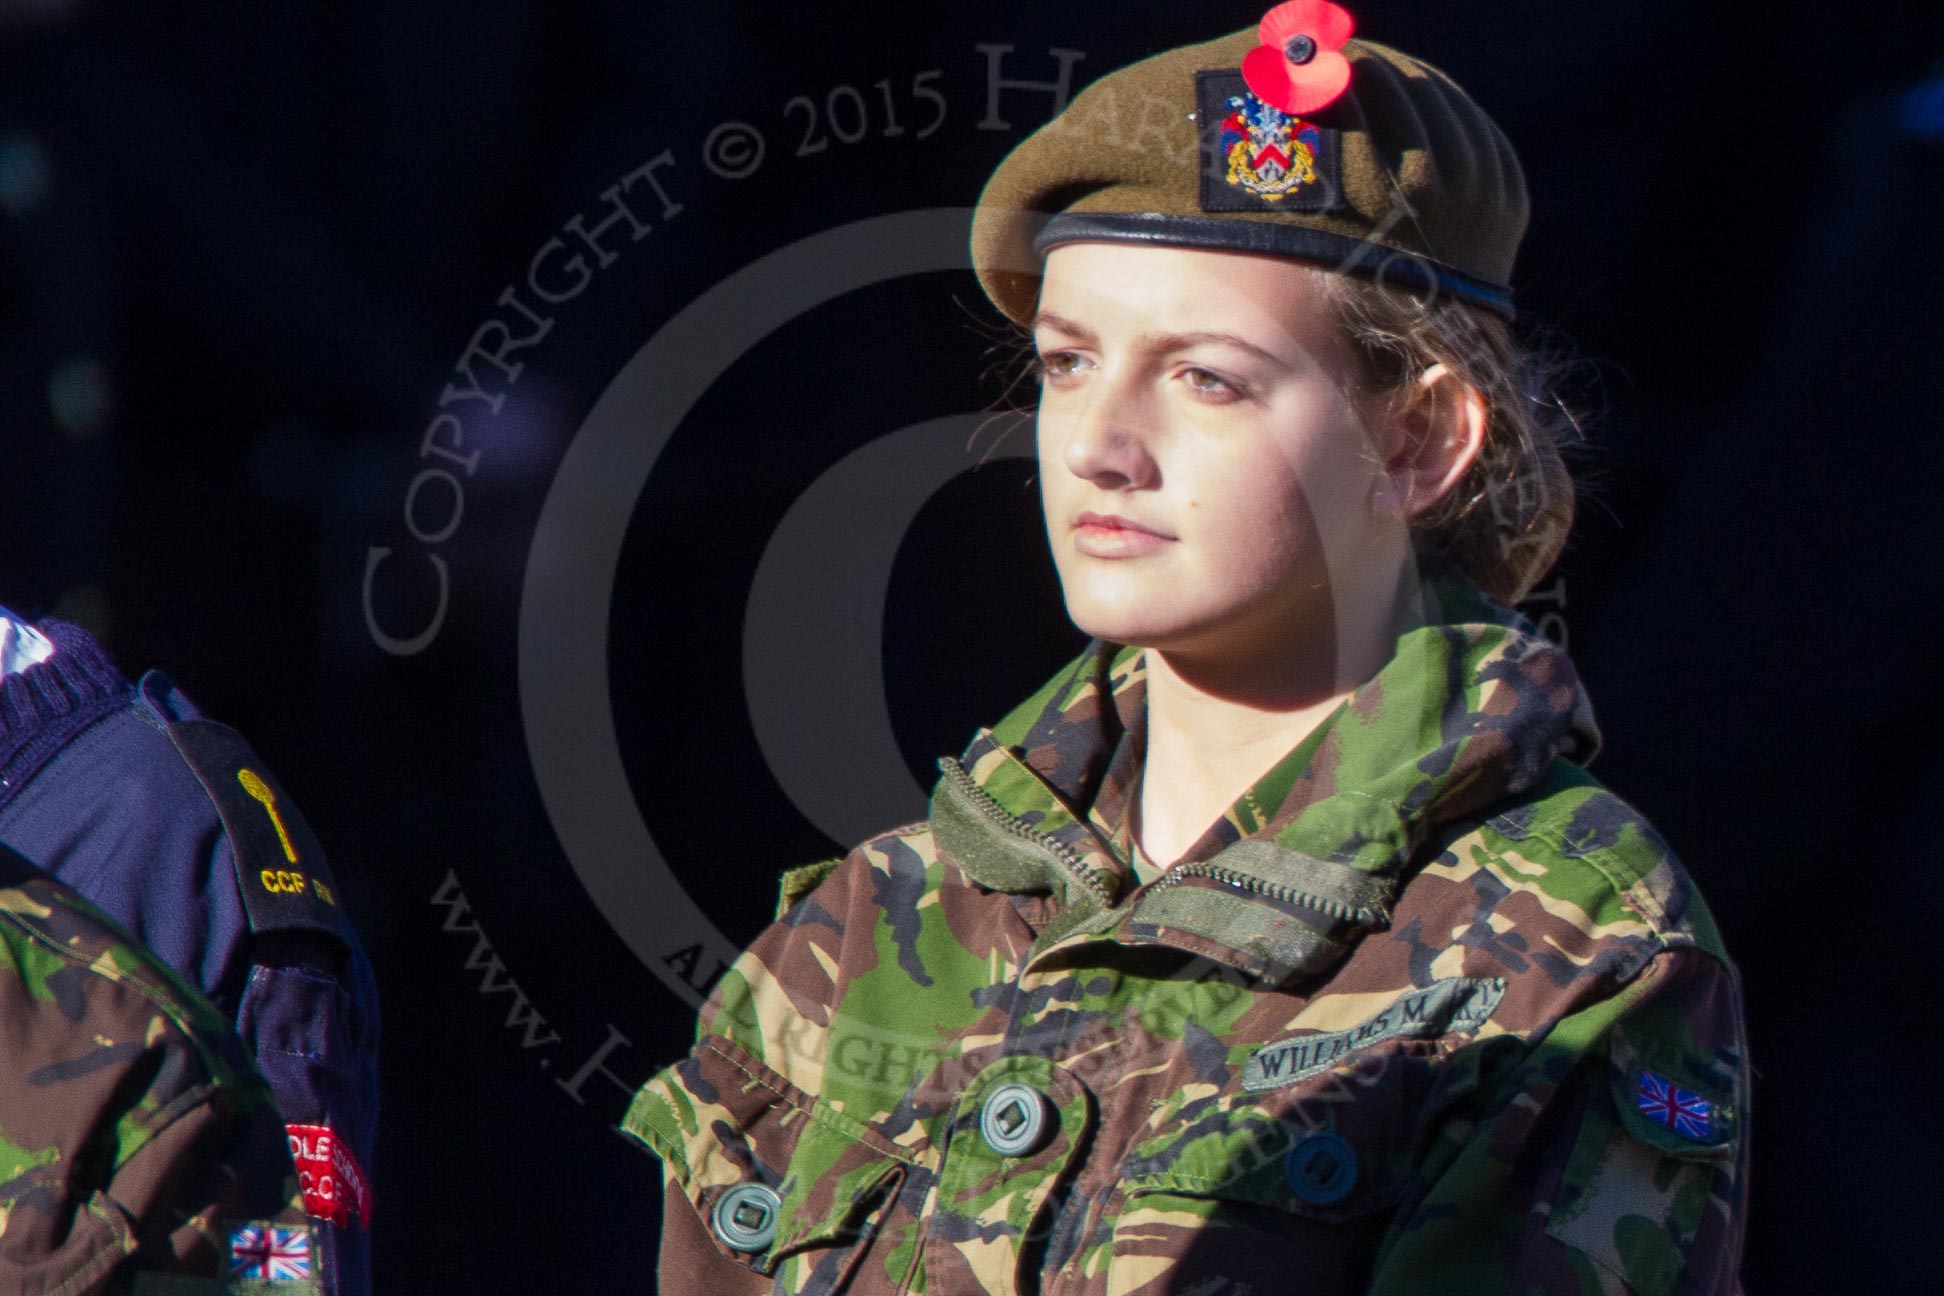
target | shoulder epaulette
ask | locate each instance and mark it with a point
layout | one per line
(280, 865)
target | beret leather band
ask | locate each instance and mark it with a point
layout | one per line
(1340, 252)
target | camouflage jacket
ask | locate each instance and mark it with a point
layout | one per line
(139, 1152)
(1428, 1010)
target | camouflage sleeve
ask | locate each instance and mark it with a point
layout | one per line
(138, 1152)
(1612, 1159)
(214, 1196)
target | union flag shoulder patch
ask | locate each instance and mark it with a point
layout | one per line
(270, 1252)
(1684, 1111)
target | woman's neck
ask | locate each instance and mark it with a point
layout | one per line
(1214, 727)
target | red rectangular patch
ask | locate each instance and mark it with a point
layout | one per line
(334, 1185)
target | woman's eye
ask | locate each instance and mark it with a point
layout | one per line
(1058, 364)
(1204, 383)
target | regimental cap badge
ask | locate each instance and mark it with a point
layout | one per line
(1256, 157)
(1260, 151)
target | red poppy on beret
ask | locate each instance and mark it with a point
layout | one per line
(1297, 68)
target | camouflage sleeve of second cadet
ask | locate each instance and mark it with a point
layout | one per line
(138, 1151)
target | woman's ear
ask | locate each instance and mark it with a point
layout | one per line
(1429, 442)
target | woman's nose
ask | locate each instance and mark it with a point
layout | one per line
(1107, 441)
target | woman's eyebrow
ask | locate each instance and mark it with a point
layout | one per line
(1157, 342)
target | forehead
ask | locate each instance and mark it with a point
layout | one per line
(1140, 286)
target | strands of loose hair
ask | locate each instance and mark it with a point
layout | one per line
(1507, 519)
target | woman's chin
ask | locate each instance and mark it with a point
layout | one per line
(1141, 626)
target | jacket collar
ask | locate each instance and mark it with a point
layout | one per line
(1472, 708)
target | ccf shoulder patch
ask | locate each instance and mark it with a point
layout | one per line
(280, 867)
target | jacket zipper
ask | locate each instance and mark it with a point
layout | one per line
(1363, 916)
(999, 817)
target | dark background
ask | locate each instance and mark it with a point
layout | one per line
(242, 248)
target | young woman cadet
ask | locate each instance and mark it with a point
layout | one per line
(1282, 939)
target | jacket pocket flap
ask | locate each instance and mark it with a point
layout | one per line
(1337, 1143)
(723, 1121)
(1245, 1198)
(1246, 1152)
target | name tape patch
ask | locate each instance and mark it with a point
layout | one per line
(1442, 1008)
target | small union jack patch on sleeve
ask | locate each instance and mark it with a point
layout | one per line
(270, 1252)
(1684, 1111)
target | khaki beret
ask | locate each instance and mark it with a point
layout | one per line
(1401, 177)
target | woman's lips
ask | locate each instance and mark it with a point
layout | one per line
(1108, 535)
